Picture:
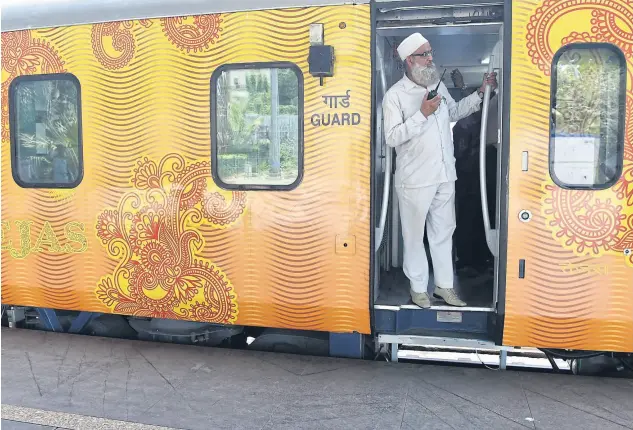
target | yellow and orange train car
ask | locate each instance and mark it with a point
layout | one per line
(202, 171)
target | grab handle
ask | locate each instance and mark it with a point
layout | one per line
(492, 238)
(380, 230)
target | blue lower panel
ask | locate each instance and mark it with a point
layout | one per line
(347, 345)
(80, 322)
(49, 319)
(410, 321)
(51, 322)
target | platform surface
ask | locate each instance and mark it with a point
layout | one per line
(59, 381)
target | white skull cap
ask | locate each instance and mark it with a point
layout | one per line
(410, 45)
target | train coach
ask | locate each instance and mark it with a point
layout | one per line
(217, 173)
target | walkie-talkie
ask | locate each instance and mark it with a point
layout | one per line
(433, 93)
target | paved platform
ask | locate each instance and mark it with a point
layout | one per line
(63, 381)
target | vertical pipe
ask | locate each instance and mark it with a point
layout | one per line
(490, 233)
(275, 146)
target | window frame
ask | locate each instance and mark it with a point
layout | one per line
(13, 106)
(621, 113)
(300, 128)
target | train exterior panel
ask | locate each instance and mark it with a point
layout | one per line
(577, 287)
(147, 231)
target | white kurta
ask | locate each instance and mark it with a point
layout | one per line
(425, 176)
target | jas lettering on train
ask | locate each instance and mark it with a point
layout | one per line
(46, 240)
(599, 269)
(336, 118)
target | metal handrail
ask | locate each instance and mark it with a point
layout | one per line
(380, 230)
(492, 238)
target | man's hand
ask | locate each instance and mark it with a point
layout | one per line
(489, 79)
(458, 79)
(430, 106)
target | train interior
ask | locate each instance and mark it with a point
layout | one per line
(463, 39)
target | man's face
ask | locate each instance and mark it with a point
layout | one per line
(423, 56)
(423, 70)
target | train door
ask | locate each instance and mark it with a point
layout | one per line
(569, 280)
(467, 42)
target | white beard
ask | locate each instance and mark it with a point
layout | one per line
(425, 76)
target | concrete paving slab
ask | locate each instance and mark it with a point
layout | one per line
(188, 387)
(17, 425)
(37, 419)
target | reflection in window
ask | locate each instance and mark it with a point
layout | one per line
(45, 131)
(258, 126)
(588, 107)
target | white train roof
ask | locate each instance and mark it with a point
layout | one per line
(30, 14)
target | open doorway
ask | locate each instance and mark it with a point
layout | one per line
(463, 40)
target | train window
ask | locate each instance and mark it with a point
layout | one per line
(257, 126)
(45, 124)
(587, 116)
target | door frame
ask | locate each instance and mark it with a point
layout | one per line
(503, 159)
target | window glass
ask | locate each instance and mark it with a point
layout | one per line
(258, 119)
(45, 131)
(588, 104)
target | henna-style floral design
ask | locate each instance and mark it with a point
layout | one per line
(194, 36)
(605, 27)
(123, 42)
(589, 222)
(24, 55)
(152, 234)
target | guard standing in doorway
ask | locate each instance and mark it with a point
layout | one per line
(418, 126)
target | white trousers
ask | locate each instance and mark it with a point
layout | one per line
(435, 207)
